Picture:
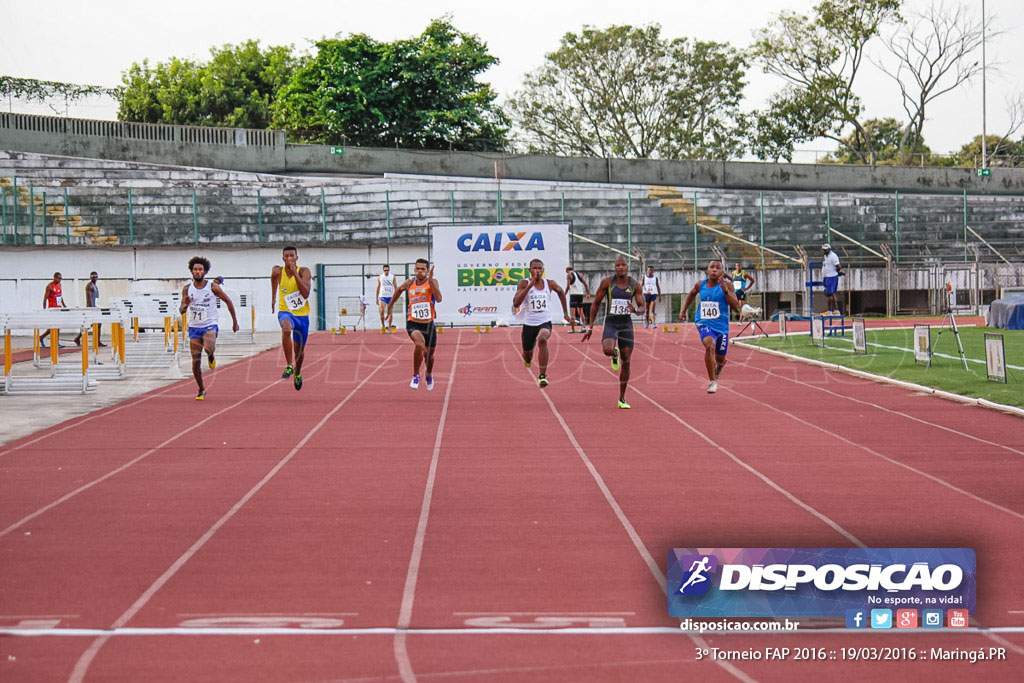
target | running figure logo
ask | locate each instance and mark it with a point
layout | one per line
(696, 581)
(466, 310)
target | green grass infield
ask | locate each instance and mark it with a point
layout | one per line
(890, 354)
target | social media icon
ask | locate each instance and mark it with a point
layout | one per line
(932, 618)
(957, 618)
(856, 618)
(906, 618)
(881, 618)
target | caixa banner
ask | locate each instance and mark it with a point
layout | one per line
(479, 266)
(817, 582)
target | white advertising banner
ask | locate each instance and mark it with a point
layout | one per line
(995, 358)
(860, 337)
(479, 266)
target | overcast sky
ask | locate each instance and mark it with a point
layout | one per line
(93, 42)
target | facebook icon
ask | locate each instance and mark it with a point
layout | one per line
(856, 618)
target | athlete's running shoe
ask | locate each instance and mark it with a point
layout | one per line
(542, 381)
(415, 383)
(527, 363)
(713, 387)
(212, 362)
(201, 395)
(430, 382)
(297, 381)
(623, 405)
(615, 360)
(288, 372)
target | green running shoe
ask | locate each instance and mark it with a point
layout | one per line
(297, 380)
(288, 372)
(623, 404)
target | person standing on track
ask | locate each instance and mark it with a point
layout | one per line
(535, 293)
(577, 288)
(714, 296)
(423, 292)
(52, 298)
(624, 298)
(652, 290)
(742, 281)
(289, 291)
(92, 297)
(385, 291)
(199, 298)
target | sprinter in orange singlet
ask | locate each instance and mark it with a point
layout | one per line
(423, 292)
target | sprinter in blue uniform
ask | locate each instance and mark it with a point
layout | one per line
(714, 296)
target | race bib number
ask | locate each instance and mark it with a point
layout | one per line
(294, 301)
(420, 310)
(738, 284)
(708, 310)
(387, 288)
(196, 314)
(650, 289)
(538, 304)
(620, 307)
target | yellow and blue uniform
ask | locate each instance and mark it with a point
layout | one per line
(294, 307)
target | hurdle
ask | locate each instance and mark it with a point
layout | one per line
(75, 381)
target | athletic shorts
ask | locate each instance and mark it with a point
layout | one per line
(300, 325)
(619, 329)
(741, 295)
(530, 333)
(385, 300)
(650, 298)
(428, 330)
(831, 284)
(721, 339)
(200, 332)
(575, 301)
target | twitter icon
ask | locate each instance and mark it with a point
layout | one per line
(881, 618)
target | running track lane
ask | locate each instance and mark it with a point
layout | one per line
(91, 556)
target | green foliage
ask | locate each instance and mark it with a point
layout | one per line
(885, 135)
(820, 58)
(235, 88)
(419, 93)
(34, 90)
(627, 92)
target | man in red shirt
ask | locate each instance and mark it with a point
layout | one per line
(52, 298)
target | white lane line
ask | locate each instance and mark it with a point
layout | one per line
(82, 665)
(892, 411)
(85, 487)
(1011, 646)
(409, 592)
(392, 631)
(832, 435)
(638, 543)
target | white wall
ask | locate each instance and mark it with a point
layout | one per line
(24, 272)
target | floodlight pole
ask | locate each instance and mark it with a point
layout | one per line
(984, 142)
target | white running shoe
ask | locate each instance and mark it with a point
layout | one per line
(430, 382)
(713, 387)
(415, 383)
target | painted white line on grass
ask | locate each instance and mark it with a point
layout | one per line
(82, 665)
(412, 576)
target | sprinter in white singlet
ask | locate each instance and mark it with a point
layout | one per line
(535, 296)
(199, 302)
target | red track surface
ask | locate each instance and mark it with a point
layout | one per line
(439, 517)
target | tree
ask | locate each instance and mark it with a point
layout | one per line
(627, 92)
(419, 93)
(235, 88)
(820, 58)
(933, 52)
(885, 137)
(46, 92)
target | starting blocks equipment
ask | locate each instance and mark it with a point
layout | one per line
(671, 329)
